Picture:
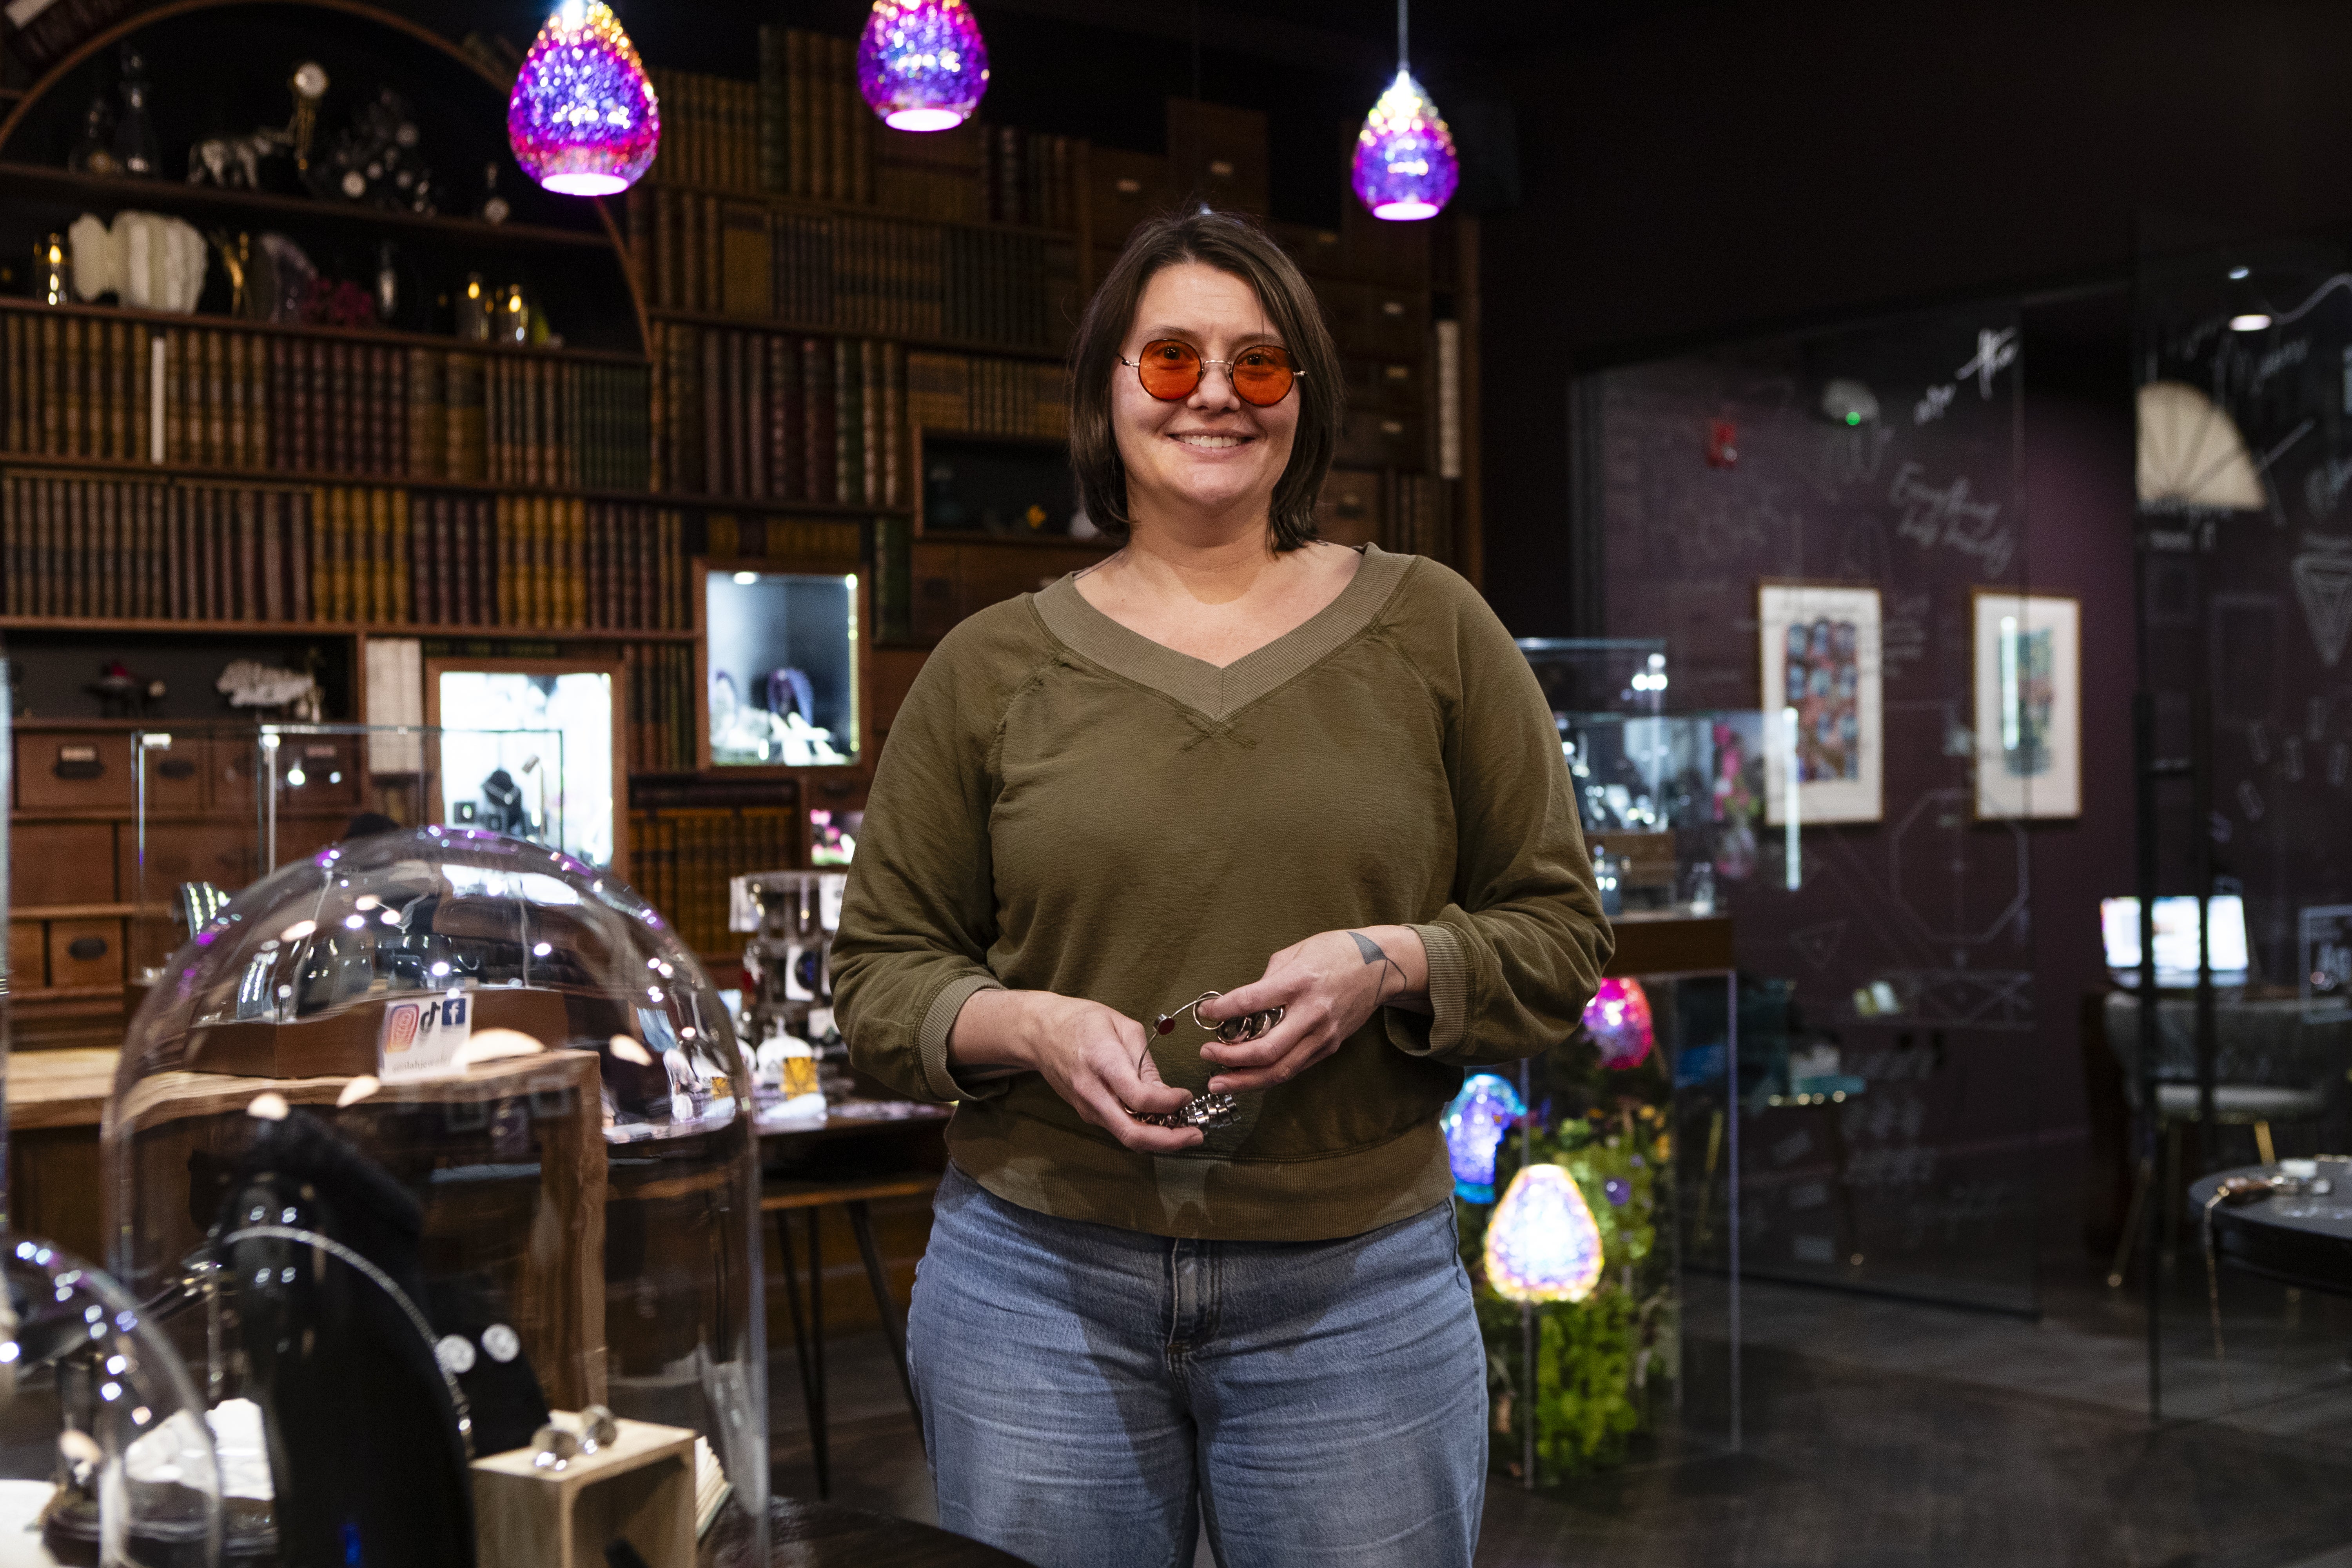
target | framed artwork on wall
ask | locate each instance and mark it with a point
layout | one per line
(1824, 724)
(2028, 663)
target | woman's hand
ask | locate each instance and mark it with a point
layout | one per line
(1093, 1057)
(1326, 986)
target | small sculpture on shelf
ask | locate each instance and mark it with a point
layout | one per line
(375, 160)
(249, 683)
(148, 262)
(494, 207)
(135, 146)
(283, 280)
(235, 163)
(93, 150)
(122, 694)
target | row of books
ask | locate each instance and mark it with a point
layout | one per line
(86, 386)
(681, 861)
(991, 396)
(813, 135)
(139, 549)
(710, 129)
(547, 562)
(804, 130)
(660, 713)
(763, 416)
(705, 255)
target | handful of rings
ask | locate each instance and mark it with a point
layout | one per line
(1204, 1110)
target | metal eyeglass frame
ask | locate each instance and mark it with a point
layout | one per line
(1296, 375)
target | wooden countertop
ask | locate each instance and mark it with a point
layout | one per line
(59, 1089)
(69, 1089)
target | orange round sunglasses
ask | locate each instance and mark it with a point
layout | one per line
(1170, 370)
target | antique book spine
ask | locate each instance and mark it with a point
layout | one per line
(714, 420)
(15, 381)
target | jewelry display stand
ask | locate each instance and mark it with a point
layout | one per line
(639, 1488)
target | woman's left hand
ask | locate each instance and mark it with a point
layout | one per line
(1326, 986)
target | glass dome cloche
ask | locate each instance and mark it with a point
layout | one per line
(424, 1143)
(105, 1454)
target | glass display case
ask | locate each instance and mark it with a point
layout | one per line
(422, 1142)
(499, 770)
(217, 806)
(782, 679)
(1665, 799)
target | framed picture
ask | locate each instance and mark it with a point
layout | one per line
(1824, 721)
(2029, 704)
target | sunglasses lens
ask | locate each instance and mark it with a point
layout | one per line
(1262, 376)
(1168, 369)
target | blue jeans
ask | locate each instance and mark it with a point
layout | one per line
(1091, 1396)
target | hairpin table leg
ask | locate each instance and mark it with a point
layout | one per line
(861, 1223)
(811, 1396)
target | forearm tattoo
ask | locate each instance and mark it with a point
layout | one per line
(1375, 954)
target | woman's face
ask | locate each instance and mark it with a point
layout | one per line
(1209, 452)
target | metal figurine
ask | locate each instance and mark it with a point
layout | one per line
(1205, 1111)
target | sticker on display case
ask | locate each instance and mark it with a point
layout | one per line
(421, 1039)
(1824, 723)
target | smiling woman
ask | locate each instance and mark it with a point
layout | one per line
(1206, 1270)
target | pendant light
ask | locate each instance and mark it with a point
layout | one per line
(922, 64)
(583, 121)
(1406, 167)
(1542, 1244)
(1475, 1124)
(1618, 1019)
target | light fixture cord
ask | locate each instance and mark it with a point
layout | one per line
(1196, 50)
(1404, 57)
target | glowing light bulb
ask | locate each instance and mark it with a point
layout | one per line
(583, 121)
(1405, 166)
(1476, 1123)
(1618, 1019)
(922, 64)
(1542, 1244)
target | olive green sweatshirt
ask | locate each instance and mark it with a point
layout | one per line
(1067, 805)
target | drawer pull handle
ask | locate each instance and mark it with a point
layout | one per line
(78, 763)
(87, 948)
(176, 768)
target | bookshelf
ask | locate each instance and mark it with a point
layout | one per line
(749, 348)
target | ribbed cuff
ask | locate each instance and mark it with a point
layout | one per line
(1449, 992)
(932, 1044)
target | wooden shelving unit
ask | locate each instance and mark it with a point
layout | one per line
(746, 323)
(593, 264)
(32, 181)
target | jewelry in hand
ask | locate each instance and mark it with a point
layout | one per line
(1204, 1110)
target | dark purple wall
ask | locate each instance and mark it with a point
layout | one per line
(1710, 171)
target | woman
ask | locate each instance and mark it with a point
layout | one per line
(1227, 759)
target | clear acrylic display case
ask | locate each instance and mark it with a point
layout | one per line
(421, 1137)
(782, 682)
(501, 771)
(219, 804)
(1650, 787)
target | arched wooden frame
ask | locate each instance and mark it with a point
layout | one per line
(129, 25)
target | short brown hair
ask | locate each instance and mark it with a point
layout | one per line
(1230, 243)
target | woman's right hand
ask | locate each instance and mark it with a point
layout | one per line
(1094, 1057)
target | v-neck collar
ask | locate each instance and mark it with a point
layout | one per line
(1216, 693)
